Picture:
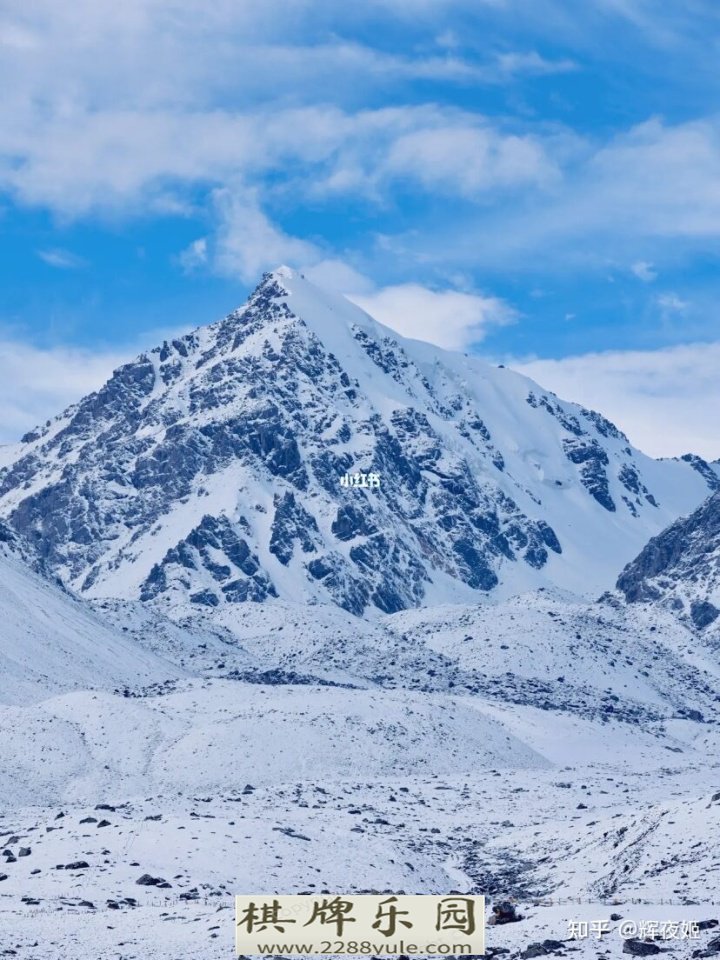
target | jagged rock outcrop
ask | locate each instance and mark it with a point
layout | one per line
(680, 569)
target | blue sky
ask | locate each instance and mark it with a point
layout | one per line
(534, 180)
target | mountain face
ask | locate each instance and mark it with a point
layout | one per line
(680, 569)
(222, 467)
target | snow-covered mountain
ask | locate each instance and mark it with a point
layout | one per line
(210, 470)
(508, 738)
(679, 570)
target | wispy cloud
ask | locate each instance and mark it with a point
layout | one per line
(85, 162)
(467, 159)
(195, 254)
(533, 64)
(653, 187)
(671, 303)
(248, 243)
(644, 271)
(269, 95)
(62, 259)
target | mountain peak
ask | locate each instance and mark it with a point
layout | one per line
(284, 272)
(232, 464)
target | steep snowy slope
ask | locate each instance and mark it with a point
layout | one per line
(209, 471)
(679, 570)
(51, 642)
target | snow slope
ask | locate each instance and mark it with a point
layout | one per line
(52, 642)
(497, 733)
(219, 735)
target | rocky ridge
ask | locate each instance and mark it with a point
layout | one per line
(679, 570)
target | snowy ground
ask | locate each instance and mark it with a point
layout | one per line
(560, 754)
(428, 835)
(225, 787)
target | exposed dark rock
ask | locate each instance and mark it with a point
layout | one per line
(592, 459)
(146, 880)
(504, 912)
(352, 522)
(543, 949)
(703, 613)
(640, 948)
(712, 947)
(258, 401)
(238, 575)
(704, 469)
(292, 524)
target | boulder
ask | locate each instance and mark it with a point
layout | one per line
(640, 948)
(504, 912)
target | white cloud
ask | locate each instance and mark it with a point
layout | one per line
(644, 271)
(247, 98)
(467, 159)
(448, 318)
(270, 96)
(77, 161)
(659, 180)
(248, 243)
(195, 254)
(82, 129)
(656, 186)
(665, 400)
(670, 303)
(62, 259)
(335, 274)
(231, 90)
(39, 383)
(533, 63)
